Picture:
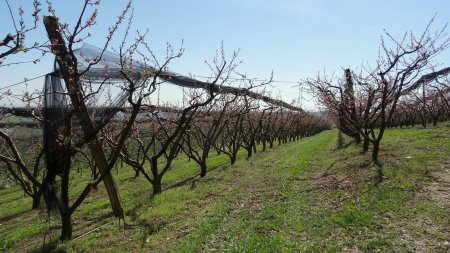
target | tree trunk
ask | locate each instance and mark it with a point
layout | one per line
(357, 138)
(157, 189)
(366, 145)
(203, 168)
(36, 200)
(376, 149)
(249, 152)
(263, 145)
(95, 175)
(232, 159)
(340, 140)
(424, 123)
(380, 173)
(66, 226)
(156, 177)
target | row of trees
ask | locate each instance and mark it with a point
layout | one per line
(426, 106)
(367, 102)
(223, 125)
(211, 119)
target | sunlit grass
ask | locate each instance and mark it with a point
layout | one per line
(303, 196)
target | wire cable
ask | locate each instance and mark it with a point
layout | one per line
(251, 79)
(26, 80)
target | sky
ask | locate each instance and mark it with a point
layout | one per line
(294, 39)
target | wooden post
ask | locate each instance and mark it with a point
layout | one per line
(424, 104)
(71, 77)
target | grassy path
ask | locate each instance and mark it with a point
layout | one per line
(304, 196)
(258, 220)
(235, 208)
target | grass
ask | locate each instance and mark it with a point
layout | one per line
(304, 196)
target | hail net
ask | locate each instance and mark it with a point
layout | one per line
(105, 94)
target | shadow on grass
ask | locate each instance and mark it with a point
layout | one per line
(17, 215)
(50, 246)
(94, 221)
(149, 228)
(341, 142)
(192, 178)
(380, 173)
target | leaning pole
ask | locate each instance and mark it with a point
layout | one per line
(73, 85)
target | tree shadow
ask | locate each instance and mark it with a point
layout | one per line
(380, 173)
(50, 246)
(341, 141)
(192, 178)
(95, 220)
(150, 227)
(19, 214)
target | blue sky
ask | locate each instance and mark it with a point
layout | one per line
(295, 39)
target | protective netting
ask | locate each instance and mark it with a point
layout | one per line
(101, 76)
(104, 74)
(425, 79)
(100, 81)
(56, 156)
(55, 107)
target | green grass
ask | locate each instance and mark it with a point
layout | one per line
(303, 196)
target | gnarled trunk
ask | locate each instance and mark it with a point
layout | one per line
(232, 159)
(376, 149)
(36, 200)
(203, 168)
(157, 188)
(366, 143)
